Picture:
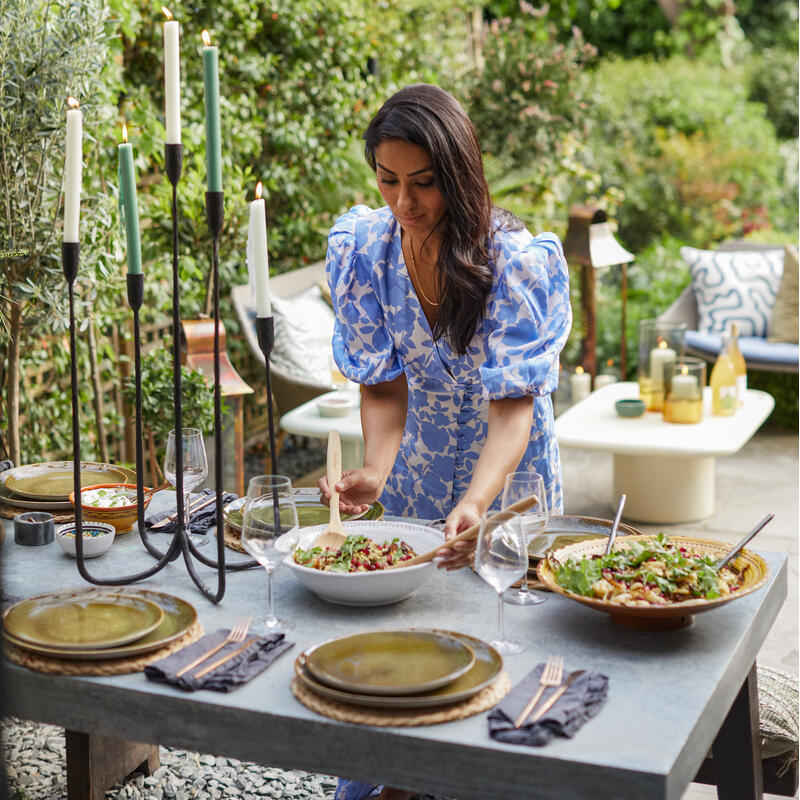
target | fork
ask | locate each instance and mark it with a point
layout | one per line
(551, 676)
(238, 633)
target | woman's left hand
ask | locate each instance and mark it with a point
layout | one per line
(461, 554)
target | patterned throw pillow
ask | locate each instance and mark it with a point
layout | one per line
(736, 287)
(783, 327)
(303, 334)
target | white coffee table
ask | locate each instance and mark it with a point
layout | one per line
(305, 420)
(665, 469)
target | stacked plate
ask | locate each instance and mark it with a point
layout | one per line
(97, 624)
(310, 511)
(409, 668)
(46, 486)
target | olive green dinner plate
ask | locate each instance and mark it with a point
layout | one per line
(82, 620)
(309, 512)
(54, 480)
(8, 498)
(487, 666)
(399, 662)
(179, 616)
(570, 529)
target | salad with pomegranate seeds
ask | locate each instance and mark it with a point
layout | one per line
(653, 572)
(357, 554)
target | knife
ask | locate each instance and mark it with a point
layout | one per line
(220, 661)
(194, 506)
(556, 694)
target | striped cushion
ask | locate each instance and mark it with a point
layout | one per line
(734, 287)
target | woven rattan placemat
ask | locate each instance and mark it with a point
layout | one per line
(396, 717)
(9, 512)
(233, 539)
(111, 666)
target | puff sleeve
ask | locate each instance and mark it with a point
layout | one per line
(362, 344)
(528, 316)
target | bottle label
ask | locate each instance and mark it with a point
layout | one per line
(727, 398)
(741, 388)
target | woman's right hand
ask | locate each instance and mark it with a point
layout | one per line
(358, 490)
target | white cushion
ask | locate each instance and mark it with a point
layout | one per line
(303, 334)
(737, 286)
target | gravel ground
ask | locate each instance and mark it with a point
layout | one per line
(36, 766)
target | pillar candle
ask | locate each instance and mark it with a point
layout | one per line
(684, 386)
(127, 189)
(659, 357)
(603, 380)
(257, 257)
(580, 383)
(213, 135)
(172, 78)
(72, 171)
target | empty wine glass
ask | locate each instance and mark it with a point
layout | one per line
(501, 557)
(194, 469)
(518, 486)
(269, 512)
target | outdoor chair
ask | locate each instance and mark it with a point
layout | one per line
(300, 362)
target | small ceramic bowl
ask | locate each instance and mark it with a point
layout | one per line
(97, 538)
(335, 406)
(121, 517)
(630, 407)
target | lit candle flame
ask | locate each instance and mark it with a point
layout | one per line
(167, 12)
(124, 133)
(579, 370)
(610, 362)
(206, 37)
(258, 190)
(663, 344)
(684, 370)
(72, 102)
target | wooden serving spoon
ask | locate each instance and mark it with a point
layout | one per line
(334, 536)
(470, 533)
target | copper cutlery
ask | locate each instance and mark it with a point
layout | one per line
(551, 676)
(551, 701)
(196, 505)
(220, 661)
(238, 633)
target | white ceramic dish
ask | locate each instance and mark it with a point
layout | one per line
(92, 545)
(339, 405)
(378, 588)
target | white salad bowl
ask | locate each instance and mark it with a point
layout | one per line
(378, 588)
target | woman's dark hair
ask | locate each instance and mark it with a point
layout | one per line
(431, 118)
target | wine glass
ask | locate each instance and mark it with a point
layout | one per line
(501, 557)
(518, 486)
(269, 511)
(194, 469)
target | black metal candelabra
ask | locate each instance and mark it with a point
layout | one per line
(181, 543)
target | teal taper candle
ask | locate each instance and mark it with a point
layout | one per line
(213, 135)
(130, 210)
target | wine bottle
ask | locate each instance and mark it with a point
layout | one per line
(723, 381)
(739, 365)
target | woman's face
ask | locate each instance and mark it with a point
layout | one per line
(405, 179)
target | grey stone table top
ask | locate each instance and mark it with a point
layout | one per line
(669, 691)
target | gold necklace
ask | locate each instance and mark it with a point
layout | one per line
(415, 274)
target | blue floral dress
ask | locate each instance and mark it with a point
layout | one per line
(381, 331)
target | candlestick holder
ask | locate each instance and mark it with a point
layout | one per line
(181, 544)
(683, 390)
(265, 330)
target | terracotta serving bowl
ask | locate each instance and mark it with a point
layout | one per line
(122, 518)
(751, 566)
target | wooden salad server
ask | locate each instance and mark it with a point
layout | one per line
(334, 536)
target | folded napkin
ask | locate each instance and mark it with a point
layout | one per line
(240, 669)
(579, 703)
(200, 522)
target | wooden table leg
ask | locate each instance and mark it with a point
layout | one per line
(737, 748)
(95, 763)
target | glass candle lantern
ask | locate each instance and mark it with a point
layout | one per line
(683, 390)
(660, 345)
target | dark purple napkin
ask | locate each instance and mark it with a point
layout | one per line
(240, 669)
(200, 522)
(579, 703)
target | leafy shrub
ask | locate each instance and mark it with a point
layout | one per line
(693, 157)
(773, 81)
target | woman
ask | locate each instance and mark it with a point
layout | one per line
(451, 316)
